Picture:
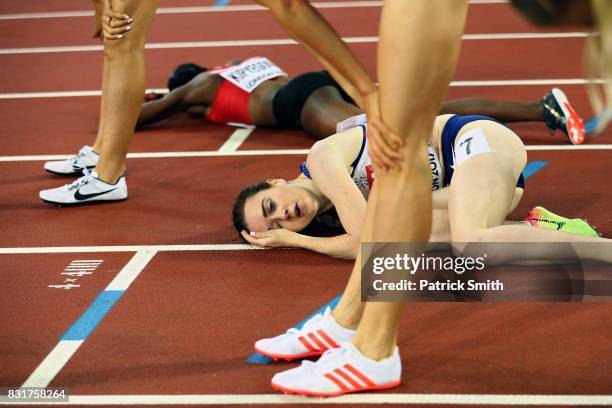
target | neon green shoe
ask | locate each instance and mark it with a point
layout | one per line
(543, 218)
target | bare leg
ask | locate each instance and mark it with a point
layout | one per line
(481, 195)
(123, 85)
(97, 146)
(400, 206)
(504, 111)
(323, 110)
(349, 309)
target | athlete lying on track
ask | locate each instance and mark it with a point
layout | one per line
(476, 186)
(474, 190)
(257, 92)
(313, 101)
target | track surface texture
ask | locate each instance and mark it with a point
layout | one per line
(178, 299)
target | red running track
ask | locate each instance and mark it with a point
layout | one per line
(188, 322)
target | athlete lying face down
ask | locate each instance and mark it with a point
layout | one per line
(476, 165)
(258, 92)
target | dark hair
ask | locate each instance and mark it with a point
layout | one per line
(238, 210)
(542, 12)
(183, 74)
(323, 225)
(326, 224)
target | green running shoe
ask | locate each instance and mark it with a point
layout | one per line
(543, 218)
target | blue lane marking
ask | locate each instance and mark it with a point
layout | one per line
(530, 169)
(260, 359)
(221, 3)
(533, 167)
(94, 314)
(590, 126)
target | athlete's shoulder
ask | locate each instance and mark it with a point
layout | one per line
(344, 146)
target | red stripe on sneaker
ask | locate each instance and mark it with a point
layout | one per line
(574, 125)
(348, 379)
(336, 381)
(307, 344)
(357, 374)
(328, 339)
(317, 341)
(571, 109)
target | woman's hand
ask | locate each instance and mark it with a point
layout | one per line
(383, 143)
(274, 238)
(109, 24)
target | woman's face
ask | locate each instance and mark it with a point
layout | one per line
(284, 205)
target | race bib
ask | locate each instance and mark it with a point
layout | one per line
(436, 168)
(251, 73)
(470, 144)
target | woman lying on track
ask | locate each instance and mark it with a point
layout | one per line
(313, 101)
(257, 92)
(476, 167)
(476, 178)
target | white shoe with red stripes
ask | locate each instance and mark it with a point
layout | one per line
(318, 334)
(340, 371)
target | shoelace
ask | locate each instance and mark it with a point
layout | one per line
(85, 150)
(81, 181)
(321, 363)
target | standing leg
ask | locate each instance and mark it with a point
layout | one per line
(399, 207)
(400, 203)
(124, 85)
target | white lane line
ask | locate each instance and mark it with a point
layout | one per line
(235, 140)
(66, 94)
(527, 82)
(271, 152)
(132, 269)
(361, 398)
(482, 83)
(65, 349)
(212, 9)
(280, 41)
(570, 147)
(52, 364)
(213, 153)
(127, 248)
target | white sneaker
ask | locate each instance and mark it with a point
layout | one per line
(340, 371)
(86, 158)
(318, 334)
(86, 189)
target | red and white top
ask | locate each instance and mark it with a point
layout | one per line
(231, 102)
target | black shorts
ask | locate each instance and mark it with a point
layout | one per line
(290, 99)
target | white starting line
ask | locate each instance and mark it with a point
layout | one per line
(361, 398)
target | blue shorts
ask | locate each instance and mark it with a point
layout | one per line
(449, 134)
